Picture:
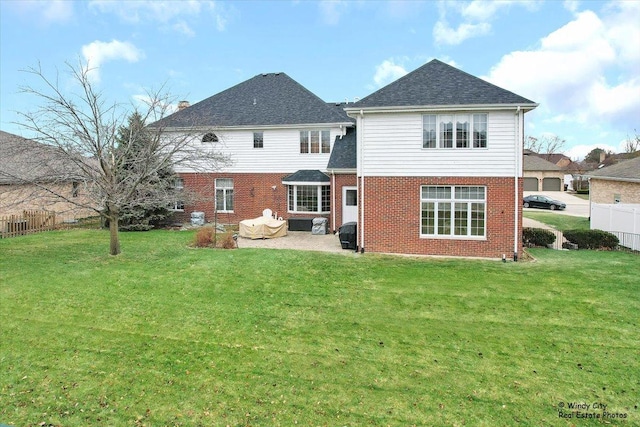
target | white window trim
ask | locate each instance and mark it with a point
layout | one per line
(318, 195)
(178, 184)
(454, 115)
(224, 195)
(308, 132)
(452, 201)
(261, 146)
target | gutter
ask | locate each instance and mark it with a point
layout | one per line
(435, 108)
(333, 201)
(222, 128)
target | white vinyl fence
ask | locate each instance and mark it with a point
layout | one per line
(623, 220)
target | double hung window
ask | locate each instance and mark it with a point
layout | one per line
(315, 141)
(224, 194)
(178, 185)
(258, 140)
(454, 131)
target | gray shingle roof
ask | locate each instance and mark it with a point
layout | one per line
(24, 160)
(535, 163)
(264, 100)
(339, 108)
(306, 176)
(344, 152)
(629, 170)
(437, 83)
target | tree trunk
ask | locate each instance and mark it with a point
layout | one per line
(114, 247)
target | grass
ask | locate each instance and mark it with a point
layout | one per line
(168, 335)
(559, 221)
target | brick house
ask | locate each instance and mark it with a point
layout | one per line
(429, 164)
(34, 176)
(619, 183)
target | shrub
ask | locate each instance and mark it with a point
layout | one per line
(537, 236)
(204, 237)
(227, 241)
(592, 239)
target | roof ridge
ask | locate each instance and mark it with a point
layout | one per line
(438, 83)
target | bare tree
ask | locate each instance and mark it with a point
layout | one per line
(545, 145)
(632, 144)
(116, 172)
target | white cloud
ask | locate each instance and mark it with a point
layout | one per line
(476, 18)
(184, 28)
(57, 11)
(138, 11)
(98, 52)
(586, 72)
(331, 10)
(579, 152)
(444, 34)
(387, 71)
(571, 5)
(173, 14)
(51, 12)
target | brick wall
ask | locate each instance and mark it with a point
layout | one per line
(341, 181)
(603, 191)
(252, 194)
(392, 218)
(14, 199)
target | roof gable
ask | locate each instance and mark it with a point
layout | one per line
(264, 100)
(440, 84)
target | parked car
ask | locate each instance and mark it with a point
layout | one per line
(543, 202)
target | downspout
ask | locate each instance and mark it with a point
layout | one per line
(359, 143)
(516, 173)
(333, 200)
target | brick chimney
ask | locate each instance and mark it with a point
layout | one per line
(182, 105)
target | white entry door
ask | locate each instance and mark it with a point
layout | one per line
(349, 204)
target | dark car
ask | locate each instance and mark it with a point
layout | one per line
(543, 202)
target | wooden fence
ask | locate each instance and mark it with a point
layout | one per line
(27, 223)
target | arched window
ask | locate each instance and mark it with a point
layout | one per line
(210, 137)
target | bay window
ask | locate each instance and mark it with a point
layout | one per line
(309, 198)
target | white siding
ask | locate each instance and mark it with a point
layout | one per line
(393, 147)
(280, 152)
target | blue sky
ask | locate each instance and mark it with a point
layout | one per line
(579, 60)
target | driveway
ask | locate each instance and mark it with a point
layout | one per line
(576, 206)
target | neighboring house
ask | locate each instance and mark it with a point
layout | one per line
(430, 164)
(614, 198)
(35, 176)
(560, 160)
(619, 183)
(541, 175)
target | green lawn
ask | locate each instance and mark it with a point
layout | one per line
(168, 335)
(559, 221)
